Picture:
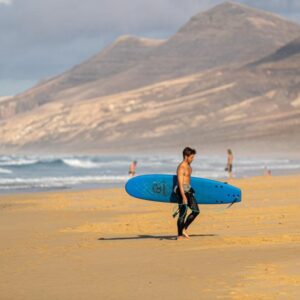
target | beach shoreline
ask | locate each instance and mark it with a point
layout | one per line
(103, 243)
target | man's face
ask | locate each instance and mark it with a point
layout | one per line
(190, 158)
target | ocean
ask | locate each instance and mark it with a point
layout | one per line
(43, 173)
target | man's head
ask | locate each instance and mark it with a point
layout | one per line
(189, 154)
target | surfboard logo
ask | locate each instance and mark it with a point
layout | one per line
(160, 188)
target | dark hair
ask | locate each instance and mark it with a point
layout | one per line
(229, 151)
(187, 151)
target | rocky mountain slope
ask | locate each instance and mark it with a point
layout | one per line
(229, 34)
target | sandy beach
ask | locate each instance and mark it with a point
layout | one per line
(103, 244)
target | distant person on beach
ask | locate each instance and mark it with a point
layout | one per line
(132, 168)
(229, 163)
(185, 194)
(267, 172)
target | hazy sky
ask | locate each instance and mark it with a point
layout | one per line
(42, 38)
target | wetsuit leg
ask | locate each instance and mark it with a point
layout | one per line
(195, 210)
(181, 218)
(182, 213)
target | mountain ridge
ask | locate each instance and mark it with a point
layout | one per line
(167, 93)
(128, 63)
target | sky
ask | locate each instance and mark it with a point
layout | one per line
(43, 38)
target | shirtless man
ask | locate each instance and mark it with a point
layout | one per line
(185, 194)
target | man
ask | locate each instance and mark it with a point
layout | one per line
(185, 194)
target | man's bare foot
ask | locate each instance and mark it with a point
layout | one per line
(185, 234)
(181, 238)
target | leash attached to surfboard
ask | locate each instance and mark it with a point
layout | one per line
(175, 213)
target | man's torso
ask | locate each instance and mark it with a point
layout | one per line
(186, 174)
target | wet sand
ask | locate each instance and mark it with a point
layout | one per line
(102, 244)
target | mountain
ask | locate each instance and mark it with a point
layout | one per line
(247, 101)
(123, 54)
(229, 34)
(250, 108)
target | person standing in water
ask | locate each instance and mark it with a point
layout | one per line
(185, 194)
(229, 163)
(132, 168)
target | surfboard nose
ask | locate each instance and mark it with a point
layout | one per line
(238, 195)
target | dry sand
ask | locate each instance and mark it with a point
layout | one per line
(102, 244)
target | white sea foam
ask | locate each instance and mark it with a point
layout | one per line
(5, 171)
(89, 164)
(81, 163)
(7, 183)
(269, 166)
(18, 162)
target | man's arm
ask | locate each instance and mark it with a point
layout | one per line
(180, 178)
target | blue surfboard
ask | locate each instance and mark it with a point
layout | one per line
(160, 188)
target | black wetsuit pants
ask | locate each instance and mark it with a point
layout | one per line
(183, 222)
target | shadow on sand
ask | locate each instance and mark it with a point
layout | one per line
(156, 237)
